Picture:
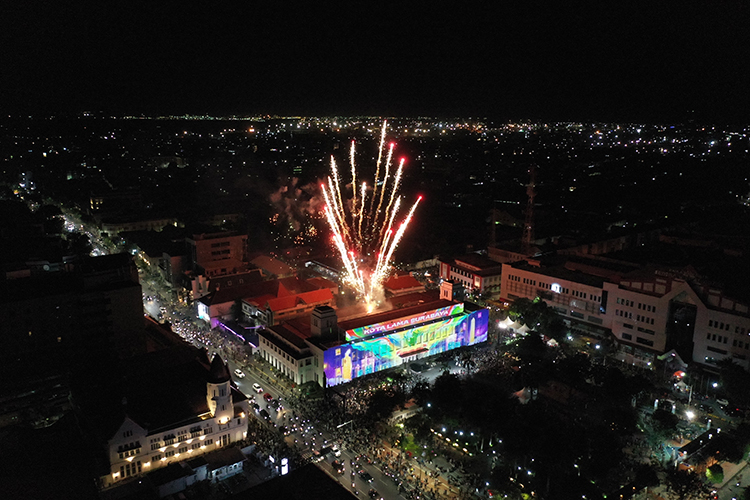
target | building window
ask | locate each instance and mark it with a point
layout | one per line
(643, 341)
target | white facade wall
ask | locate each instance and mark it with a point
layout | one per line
(169, 445)
(720, 335)
(637, 318)
(299, 371)
(638, 315)
(571, 299)
(471, 280)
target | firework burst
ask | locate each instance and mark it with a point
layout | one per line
(365, 227)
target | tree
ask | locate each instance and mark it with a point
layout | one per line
(519, 309)
(531, 348)
(236, 310)
(734, 381)
(419, 426)
(715, 473)
(684, 483)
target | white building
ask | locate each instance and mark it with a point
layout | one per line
(477, 273)
(168, 423)
(646, 309)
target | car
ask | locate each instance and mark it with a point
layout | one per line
(267, 397)
(264, 414)
(338, 467)
(239, 373)
(256, 406)
(257, 388)
(365, 476)
(373, 493)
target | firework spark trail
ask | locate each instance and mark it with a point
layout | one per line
(337, 212)
(401, 230)
(394, 190)
(377, 167)
(388, 233)
(385, 183)
(364, 238)
(337, 185)
(354, 177)
(361, 212)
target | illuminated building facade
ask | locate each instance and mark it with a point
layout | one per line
(171, 423)
(331, 352)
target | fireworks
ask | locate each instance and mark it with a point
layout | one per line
(364, 226)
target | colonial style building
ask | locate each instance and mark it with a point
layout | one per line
(324, 350)
(169, 417)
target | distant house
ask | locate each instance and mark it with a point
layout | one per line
(271, 302)
(402, 284)
(405, 412)
(273, 267)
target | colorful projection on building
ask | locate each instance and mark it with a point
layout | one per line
(393, 348)
(387, 326)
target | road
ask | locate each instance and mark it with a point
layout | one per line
(305, 437)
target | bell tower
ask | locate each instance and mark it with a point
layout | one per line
(219, 391)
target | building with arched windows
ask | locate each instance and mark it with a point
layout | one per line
(173, 411)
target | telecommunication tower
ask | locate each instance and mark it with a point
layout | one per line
(528, 227)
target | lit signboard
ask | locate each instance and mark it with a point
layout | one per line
(371, 354)
(386, 326)
(203, 312)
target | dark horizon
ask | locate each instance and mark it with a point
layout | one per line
(543, 61)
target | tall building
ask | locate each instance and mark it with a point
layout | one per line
(61, 326)
(216, 254)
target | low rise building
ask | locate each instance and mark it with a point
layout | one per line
(173, 411)
(648, 309)
(477, 273)
(327, 351)
(275, 301)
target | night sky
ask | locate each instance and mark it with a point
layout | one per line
(635, 61)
